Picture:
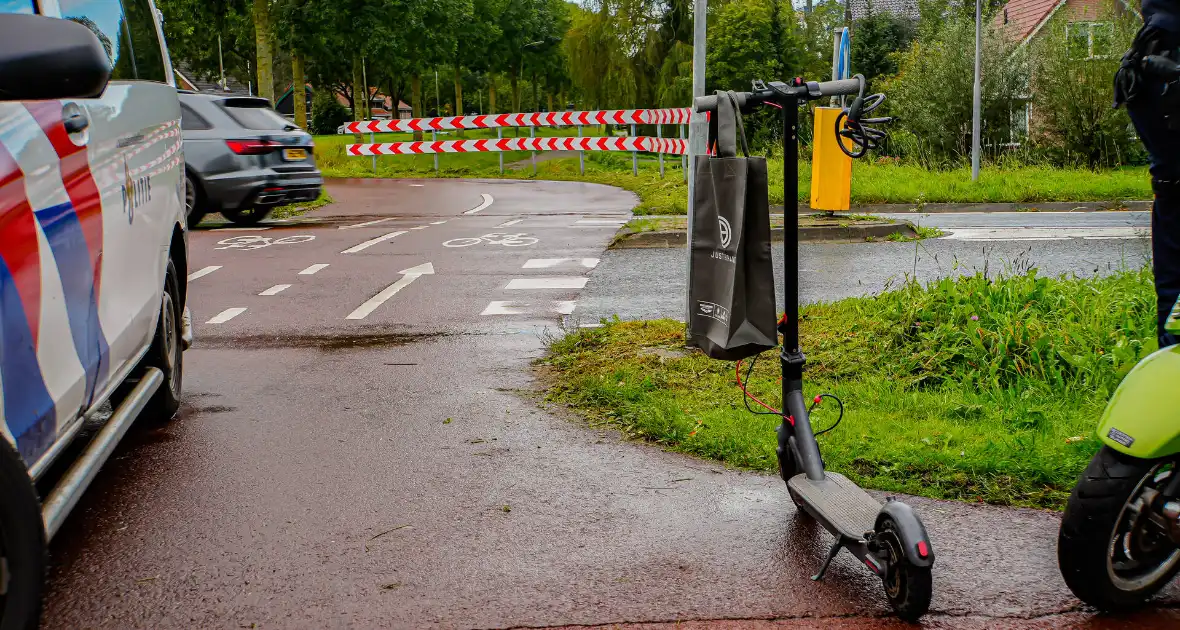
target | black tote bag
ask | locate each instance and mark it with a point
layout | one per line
(731, 283)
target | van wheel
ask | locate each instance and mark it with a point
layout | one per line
(167, 351)
(22, 544)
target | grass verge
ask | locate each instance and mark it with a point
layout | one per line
(299, 209)
(975, 389)
(872, 182)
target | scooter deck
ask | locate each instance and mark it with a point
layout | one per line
(839, 502)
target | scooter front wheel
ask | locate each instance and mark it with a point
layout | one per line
(1112, 555)
(908, 587)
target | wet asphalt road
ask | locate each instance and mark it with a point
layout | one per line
(398, 471)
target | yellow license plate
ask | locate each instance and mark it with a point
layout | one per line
(292, 155)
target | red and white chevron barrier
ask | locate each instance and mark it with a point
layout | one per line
(635, 143)
(679, 116)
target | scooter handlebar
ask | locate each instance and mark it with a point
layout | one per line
(810, 90)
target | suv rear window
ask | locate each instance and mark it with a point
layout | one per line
(253, 114)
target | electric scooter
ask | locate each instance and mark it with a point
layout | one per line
(889, 539)
(1119, 542)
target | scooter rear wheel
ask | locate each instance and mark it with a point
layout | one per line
(1111, 557)
(909, 588)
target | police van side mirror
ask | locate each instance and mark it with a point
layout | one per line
(50, 58)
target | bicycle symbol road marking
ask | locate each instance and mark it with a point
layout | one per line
(521, 239)
(258, 242)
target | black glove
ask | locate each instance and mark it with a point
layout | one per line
(1129, 80)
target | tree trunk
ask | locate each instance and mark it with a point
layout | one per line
(458, 96)
(515, 80)
(492, 94)
(550, 95)
(298, 91)
(416, 100)
(263, 52)
(536, 99)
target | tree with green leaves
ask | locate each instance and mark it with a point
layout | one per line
(878, 39)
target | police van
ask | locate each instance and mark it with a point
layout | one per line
(93, 260)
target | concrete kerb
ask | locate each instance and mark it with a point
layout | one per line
(856, 232)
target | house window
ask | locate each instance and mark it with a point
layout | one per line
(1019, 122)
(1089, 40)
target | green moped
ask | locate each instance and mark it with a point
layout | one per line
(1119, 542)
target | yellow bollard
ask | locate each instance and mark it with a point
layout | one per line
(831, 169)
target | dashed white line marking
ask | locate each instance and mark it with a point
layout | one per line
(545, 263)
(226, 315)
(556, 282)
(371, 242)
(487, 201)
(417, 185)
(499, 307)
(508, 307)
(310, 271)
(201, 273)
(438, 222)
(599, 223)
(276, 289)
(408, 276)
(239, 229)
(420, 227)
(1044, 234)
(509, 223)
(366, 223)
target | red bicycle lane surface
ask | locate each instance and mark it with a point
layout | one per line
(396, 470)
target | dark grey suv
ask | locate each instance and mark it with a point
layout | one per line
(242, 159)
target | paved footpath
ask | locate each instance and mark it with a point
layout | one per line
(360, 446)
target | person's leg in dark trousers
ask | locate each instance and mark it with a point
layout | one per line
(1164, 146)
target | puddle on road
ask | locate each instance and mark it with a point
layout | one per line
(326, 343)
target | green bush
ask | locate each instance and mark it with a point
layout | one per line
(1071, 115)
(327, 114)
(931, 96)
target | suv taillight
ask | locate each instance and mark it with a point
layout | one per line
(251, 147)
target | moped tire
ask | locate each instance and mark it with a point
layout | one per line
(909, 588)
(1089, 539)
(22, 544)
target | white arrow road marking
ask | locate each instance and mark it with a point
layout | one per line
(408, 276)
(509, 223)
(226, 315)
(557, 282)
(487, 201)
(311, 271)
(371, 242)
(545, 263)
(201, 273)
(276, 289)
(366, 223)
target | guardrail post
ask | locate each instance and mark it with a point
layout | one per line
(660, 136)
(581, 154)
(634, 156)
(533, 154)
(500, 136)
(434, 138)
(683, 158)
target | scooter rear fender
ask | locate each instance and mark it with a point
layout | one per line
(1142, 418)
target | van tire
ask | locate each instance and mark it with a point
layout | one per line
(22, 544)
(167, 351)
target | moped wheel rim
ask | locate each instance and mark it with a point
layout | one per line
(1126, 571)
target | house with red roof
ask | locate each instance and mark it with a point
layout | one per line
(1088, 29)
